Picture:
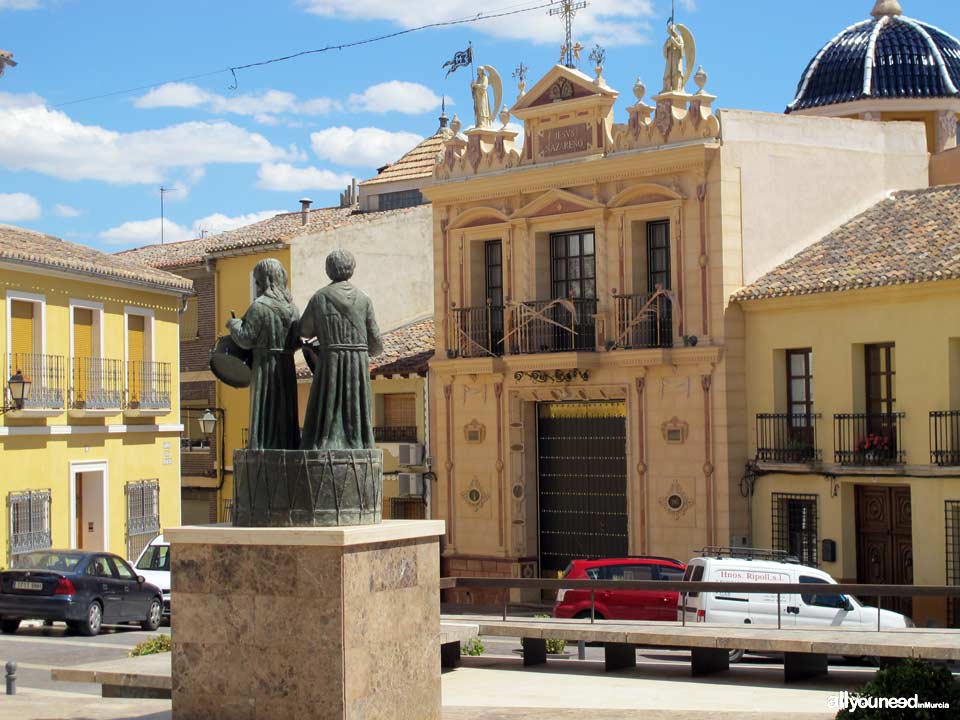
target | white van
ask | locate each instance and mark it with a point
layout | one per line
(154, 565)
(739, 565)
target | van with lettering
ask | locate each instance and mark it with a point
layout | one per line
(746, 565)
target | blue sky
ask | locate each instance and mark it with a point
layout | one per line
(90, 171)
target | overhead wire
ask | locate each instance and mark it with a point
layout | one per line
(507, 11)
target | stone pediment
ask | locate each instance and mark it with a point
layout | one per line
(555, 202)
(561, 85)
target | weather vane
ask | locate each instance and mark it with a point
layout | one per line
(568, 9)
(520, 75)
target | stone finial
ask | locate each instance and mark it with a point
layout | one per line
(455, 124)
(639, 90)
(887, 7)
(700, 79)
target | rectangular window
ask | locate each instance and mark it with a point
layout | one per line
(880, 365)
(400, 410)
(493, 272)
(573, 265)
(401, 199)
(800, 396)
(29, 521)
(22, 328)
(795, 526)
(658, 255)
(143, 514)
(953, 559)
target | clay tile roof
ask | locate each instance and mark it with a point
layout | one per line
(418, 163)
(29, 247)
(170, 255)
(406, 351)
(912, 236)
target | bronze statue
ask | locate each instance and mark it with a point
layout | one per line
(339, 412)
(270, 328)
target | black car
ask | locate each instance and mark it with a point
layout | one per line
(84, 589)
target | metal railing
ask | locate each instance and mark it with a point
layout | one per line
(783, 438)
(865, 439)
(400, 433)
(148, 385)
(97, 384)
(690, 589)
(47, 375)
(476, 331)
(639, 326)
(547, 326)
(945, 438)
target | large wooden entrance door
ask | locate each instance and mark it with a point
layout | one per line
(885, 540)
(582, 482)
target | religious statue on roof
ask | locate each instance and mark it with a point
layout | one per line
(6, 60)
(680, 53)
(487, 78)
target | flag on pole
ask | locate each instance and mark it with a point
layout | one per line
(460, 59)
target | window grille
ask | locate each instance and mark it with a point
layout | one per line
(400, 199)
(953, 559)
(29, 514)
(227, 511)
(143, 515)
(795, 526)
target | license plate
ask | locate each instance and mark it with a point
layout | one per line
(24, 585)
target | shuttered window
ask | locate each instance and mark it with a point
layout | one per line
(82, 350)
(21, 327)
(400, 410)
(135, 356)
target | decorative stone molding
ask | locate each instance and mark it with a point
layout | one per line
(475, 496)
(676, 501)
(474, 432)
(674, 431)
(480, 150)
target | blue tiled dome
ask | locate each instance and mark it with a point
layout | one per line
(888, 56)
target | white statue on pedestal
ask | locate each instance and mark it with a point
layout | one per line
(487, 77)
(680, 53)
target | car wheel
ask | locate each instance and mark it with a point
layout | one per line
(586, 614)
(8, 626)
(91, 626)
(154, 614)
(737, 655)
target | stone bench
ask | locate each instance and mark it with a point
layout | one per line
(805, 650)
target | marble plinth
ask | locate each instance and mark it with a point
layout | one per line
(307, 488)
(306, 623)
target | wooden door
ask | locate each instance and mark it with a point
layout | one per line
(136, 337)
(78, 508)
(885, 540)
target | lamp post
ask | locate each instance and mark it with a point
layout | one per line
(19, 388)
(212, 420)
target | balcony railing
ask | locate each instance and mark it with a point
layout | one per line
(476, 331)
(865, 439)
(97, 384)
(148, 385)
(547, 326)
(783, 438)
(395, 433)
(945, 437)
(643, 321)
(47, 375)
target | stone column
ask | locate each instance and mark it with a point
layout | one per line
(287, 623)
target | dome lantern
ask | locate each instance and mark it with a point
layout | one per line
(886, 7)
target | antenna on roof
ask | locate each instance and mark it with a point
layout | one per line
(163, 191)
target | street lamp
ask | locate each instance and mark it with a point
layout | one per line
(19, 387)
(208, 423)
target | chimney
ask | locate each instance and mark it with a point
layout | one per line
(305, 210)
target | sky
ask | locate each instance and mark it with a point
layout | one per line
(90, 170)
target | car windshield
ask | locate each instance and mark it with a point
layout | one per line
(156, 557)
(59, 562)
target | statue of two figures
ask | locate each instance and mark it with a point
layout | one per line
(332, 473)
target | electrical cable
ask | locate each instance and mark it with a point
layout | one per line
(479, 17)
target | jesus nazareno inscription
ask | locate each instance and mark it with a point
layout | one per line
(565, 140)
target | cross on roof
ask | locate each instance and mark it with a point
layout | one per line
(567, 9)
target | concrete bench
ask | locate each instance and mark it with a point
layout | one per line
(805, 650)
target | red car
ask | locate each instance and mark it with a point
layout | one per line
(621, 604)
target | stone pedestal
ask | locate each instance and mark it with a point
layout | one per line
(306, 623)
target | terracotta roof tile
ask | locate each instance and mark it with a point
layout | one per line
(170, 255)
(416, 164)
(29, 247)
(913, 236)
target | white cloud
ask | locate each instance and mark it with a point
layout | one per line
(15, 207)
(66, 211)
(263, 107)
(19, 4)
(395, 96)
(145, 232)
(286, 177)
(218, 222)
(364, 147)
(34, 137)
(608, 22)
(689, 5)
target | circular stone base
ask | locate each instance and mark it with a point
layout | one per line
(307, 488)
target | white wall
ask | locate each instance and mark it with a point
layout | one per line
(394, 254)
(801, 177)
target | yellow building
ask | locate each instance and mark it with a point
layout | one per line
(91, 454)
(587, 397)
(853, 382)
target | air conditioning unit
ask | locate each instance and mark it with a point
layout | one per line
(411, 454)
(411, 484)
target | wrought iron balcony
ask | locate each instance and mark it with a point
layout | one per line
(784, 438)
(393, 434)
(643, 321)
(97, 384)
(945, 438)
(867, 439)
(548, 326)
(46, 374)
(476, 331)
(148, 386)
